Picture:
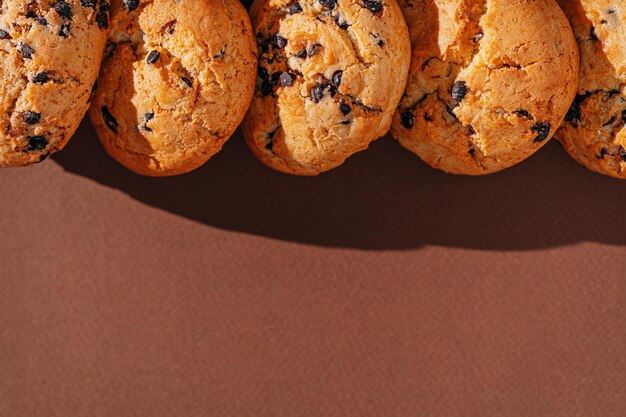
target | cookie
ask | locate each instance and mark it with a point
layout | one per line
(331, 73)
(176, 81)
(50, 53)
(594, 130)
(490, 81)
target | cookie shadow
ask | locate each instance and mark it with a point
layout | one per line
(381, 199)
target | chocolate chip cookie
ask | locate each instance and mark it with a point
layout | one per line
(331, 73)
(50, 53)
(594, 131)
(176, 81)
(490, 81)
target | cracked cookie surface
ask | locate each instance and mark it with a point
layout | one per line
(490, 81)
(331, 73)
(50, 53)
(176, 81)
(594, 130)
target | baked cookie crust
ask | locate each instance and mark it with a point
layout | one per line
(331, 73)
(176, 81)
(50, 53)
(490, 81)
(594, 131)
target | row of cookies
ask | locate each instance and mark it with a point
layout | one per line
(470, 86)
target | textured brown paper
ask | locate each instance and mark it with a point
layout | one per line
(383, 288)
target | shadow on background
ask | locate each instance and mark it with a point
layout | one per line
(383, 198)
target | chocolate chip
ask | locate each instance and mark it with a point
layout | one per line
(345, 109)
(301, 54)
(269, 82)
(4, 34)
(26, 51)
(88, 3)
(381, 43)
(187, 81)
(43, 157)
(131, 4)
(64, 30)
(329, 4)
(31, 117)
(471, 151)
(40, 78)
(611, 121)
(148, 116)
(317, 93)
(37, 143)
(286, 79)
(428, 117)
(170, 27)
(610, 11)
(264, 48)
(63, 9)
(267, 88)
(109, 120)
(342, 24)
(459, 90)
(374, 6)
(543, 131)
(337, 77)
(220, 55)
(153, 57)
(603, 153)
(41, 21)
(592, 34)
(332, 90)
(622, 153)
(314, 49)
(279, 42)
(407, 119)
(295, 8)
(574, 113)
(523, 113)
(102, 19)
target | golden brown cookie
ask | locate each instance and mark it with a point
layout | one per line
(331, 73)
(594, 131)
(176, 82)
(50, 53)
(490, 81)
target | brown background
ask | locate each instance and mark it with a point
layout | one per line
(383, 288)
